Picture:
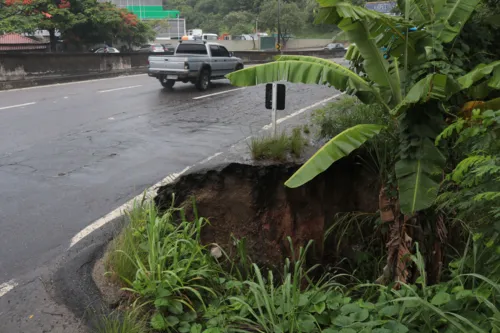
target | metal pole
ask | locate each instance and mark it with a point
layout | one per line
(178, 26)
(275, 106)
(279, 25)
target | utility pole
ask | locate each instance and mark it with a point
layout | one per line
(178, 26)
(279, 26)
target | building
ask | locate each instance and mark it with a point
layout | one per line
(153, 10)
(17, 42)
(385, 7)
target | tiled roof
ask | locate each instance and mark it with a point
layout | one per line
(17, 39)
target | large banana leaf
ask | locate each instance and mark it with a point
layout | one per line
(337, 148)
(443, 19)
(364, 28)
(433, 86)
(451, 18)
(418, 179)
(480, 72)
(307, 70)
(419, 11)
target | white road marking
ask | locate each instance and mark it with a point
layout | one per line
(7, 286)
(218, 93)
(76, 82)
(151, 192)
(296, 113)
(120, 211)
(16, 106)
(116, 89)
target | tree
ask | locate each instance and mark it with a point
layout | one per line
(417, 106)
(292, 19)
(59, 16)
(158, 25)
(238, 23)
(108, 23)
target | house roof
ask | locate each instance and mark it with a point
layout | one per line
(16, 39)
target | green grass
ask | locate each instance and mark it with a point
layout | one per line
(126, 322)
(126, 245)
(278, 148)
(297, 142)
(269, 147)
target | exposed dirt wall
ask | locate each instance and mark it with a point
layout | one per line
(252, 202)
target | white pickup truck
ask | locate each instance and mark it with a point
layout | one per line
(195, 62)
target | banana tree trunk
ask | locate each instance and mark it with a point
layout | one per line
(399, 242)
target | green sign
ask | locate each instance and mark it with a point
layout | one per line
(153, 12)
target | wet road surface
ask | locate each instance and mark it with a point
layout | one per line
(71, 153)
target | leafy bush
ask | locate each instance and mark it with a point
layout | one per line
(345, 113)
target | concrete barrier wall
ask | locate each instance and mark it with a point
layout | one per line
(19, 66)
(19, 70)
(240, 45)
(248, 45)
(307, 43)
(266, 56)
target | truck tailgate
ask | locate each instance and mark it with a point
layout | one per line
(167, 63)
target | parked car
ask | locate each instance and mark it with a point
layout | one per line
(152, 48)
(195, 62)
(168, 48)
(334, 46)
(107, 50)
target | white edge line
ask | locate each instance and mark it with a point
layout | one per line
(150, 192)
(16, 106)
(116, 89)
(218, 93)
(70, 83)
(7, 286)
(296, 113)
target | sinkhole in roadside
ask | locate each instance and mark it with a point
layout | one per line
(251, 202)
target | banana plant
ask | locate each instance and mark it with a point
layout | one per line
(417, 107)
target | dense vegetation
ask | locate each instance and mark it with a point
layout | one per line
(176, 284)
(429, 119)
(243, 17)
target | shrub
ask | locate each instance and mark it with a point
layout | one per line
(345, 113)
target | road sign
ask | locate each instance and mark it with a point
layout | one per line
(280, 97)
(275, 100)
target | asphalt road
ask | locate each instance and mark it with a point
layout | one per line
(71, 153)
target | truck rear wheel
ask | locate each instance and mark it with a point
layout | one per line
(203, 81)
(169, 84)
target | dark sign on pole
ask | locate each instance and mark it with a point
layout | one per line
(281, 96)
